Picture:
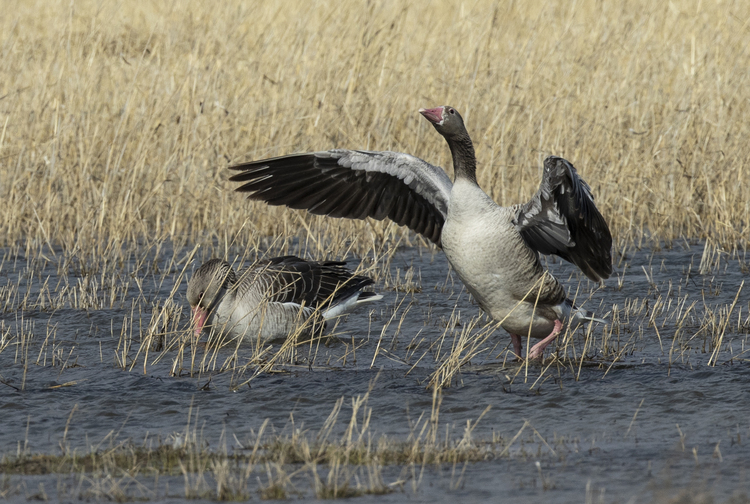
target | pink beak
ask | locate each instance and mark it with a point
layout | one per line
(199, 316)
(434, 115)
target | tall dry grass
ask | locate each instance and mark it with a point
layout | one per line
(117, 120)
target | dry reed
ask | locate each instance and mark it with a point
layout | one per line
(117, 120)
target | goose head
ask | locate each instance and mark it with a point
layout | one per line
(446, 120)
(449, 123)
(206, 289)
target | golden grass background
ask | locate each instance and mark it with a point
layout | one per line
(118, 119)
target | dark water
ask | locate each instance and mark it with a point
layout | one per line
(662, 411)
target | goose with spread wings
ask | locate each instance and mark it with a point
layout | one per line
(493, 249)
(273, 298)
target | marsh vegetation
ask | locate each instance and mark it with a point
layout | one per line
(117, 124)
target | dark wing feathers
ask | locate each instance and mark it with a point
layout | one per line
(562, 219)
(353, 184)
(289, 279)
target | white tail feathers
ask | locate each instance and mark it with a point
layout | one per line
(581, 315)
(349, 304)
(577, 315)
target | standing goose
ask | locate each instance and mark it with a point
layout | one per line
(273, 298)
(493, 249)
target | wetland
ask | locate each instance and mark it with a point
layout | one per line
(118, 121)
(418, 396)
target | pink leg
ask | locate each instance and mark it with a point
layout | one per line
(538, 349)
(516, 339)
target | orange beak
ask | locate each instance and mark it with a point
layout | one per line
(434, 115)
(199, 317)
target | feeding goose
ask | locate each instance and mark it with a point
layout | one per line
(273, 298)
(493, 249)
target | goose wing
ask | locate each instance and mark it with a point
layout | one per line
(289, 279)
(562, 219)
(353, 184)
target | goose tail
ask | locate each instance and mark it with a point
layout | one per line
(577, 315)
(350, 303)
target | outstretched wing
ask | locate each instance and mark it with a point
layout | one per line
(355, 185)
(562, 219)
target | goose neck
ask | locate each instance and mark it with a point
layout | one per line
(464, 159)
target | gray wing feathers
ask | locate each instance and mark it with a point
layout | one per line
(562, 219)
(289, 279)
(354, 184)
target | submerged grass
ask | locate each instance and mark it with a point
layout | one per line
(344, 458)
(337, 461)
(697, 320)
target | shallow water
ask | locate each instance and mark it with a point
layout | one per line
(657, 412)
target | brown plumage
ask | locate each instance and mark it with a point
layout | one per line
(272, 298)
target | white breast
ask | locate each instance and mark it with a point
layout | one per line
(487, 252)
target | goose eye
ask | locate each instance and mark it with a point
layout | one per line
(451, 111)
